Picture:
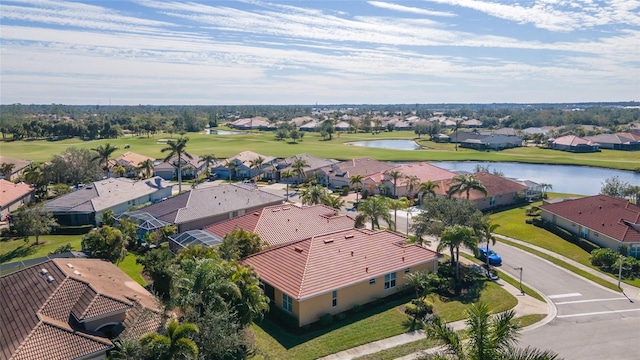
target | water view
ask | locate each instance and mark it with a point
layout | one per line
(388, 144)
(571, 179)
(222, 132)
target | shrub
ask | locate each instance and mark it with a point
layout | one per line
(419, 308)
(326, 319)
(72, 230)
(62, 249)
(356, 308)
(345, 191)
(584, 244)
(630, 267)
(605, 259)
(341, 316)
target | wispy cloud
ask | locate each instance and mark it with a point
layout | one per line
(409, 9)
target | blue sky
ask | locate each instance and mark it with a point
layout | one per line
(325, 52)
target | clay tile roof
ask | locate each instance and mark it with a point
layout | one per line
(424, 171)
(10, 192)
(572, 140)
(70, 293)
(320, 264)
(616, 218)
(360, 166)
(131, 158)
(495, 185)
(283, 224)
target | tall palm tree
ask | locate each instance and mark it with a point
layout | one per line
(545, 187)
(356, 182)
(490, 337)
(398, 204)
(208, 159)
(427, 188)
(177, 148)
(287, 174)
(412, 182)
(298, 166)
(464, 184)
(257, 163)
(104, 153)
(231, 166)
(126, 350)
(485, 233)
(146, 167)
(313, 195)
(374, 209)
(333, 200)
(253, 303)
(176, 342)
(453, 237)
(457, 126)
(395, 175)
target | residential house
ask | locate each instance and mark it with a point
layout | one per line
(492, 142)
(574, 143)
(70, 309)
(19, 167)
(342, 126)
(13, 196)
(131, 162)
(472, 123)
(607, 221)
(314, 164)
(286, 223)
(242, 165)
(197, 208)
(191, 168)
(501, 191)
(299, 121)
(506, 131)
(254, 123)
(332, 273)
(86, 205)
(310, 126)
(617, 141)
(339, 174)
(534, 190)
(423, 171)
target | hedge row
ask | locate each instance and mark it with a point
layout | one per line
(584, 244)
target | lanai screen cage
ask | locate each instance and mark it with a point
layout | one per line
(146, 222)
(192, 238)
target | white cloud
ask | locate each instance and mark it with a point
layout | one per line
(409, 9)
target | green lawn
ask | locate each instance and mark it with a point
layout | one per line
(370, 325)
(129, 266)
(16, 249)
(223, 146)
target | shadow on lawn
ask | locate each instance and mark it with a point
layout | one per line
(21, 251)
(289, 339)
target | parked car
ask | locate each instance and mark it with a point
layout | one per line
(494, 259)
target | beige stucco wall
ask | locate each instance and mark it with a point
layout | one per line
(598, 238)
(310, 310)
(16, 204)
(500, 200)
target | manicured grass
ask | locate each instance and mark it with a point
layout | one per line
(530, 319)
(401, 350)
(223, 146)
(16, 249)
(129, 266)
(371, 325)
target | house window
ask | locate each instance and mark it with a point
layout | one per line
(390, 281)
(584, 232)
(634, 250)
(287, 303)
(372, 281)
(492, 201)
(407, 270)
(334, 298)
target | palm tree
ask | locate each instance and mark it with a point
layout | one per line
(7, 169)
(457, 126)
(395, 205)
(231, 166)
(287, 174)
(208, 159)
(485, 233)
(119, 170)
(427, 188)
(356, 182)
(298, 166)
(373, 209)
(146, 167)
(412, 182)
(545, 187)
(333, 200)
(490, 337)
(454, 237)
(177, 148)
(257, 163)
(176, 343)
(126, 350)
(395, 175)
(104, 153)
(313, 195)
(464, 184)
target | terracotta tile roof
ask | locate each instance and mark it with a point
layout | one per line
(495, 185)
(210, 201)
(607, 215)
(424, 171)
(572, 140)
(130, 158)
(10, 192)
(50, 342)
(38, 301)
(283, 224)
(19, 163)
(317, 265)
(361, 166)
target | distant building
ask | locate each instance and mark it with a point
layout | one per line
(573, 143)
(13, 196)
(19, 167)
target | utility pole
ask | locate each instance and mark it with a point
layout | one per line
(521, 289)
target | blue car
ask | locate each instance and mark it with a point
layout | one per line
(494, 259)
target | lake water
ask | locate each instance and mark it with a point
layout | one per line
(571, 179)
(388, 144)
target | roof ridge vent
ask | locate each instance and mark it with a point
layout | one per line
(328, 241)
(43, 271)
(50, 279)
(349, 236)
(69, 266)
(298, 249)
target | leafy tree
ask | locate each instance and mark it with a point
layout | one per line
(176, 342)
(194, 252)
(420, 128)
(356, 182)
(108, 218)
(490, 337)
(238, 244)
(221, 336)
(107, 243)
(104, 153)
(146, 168)
(157, 264)
(453, 237)
(33, 221)
(464, 184)
(73, 166)
(327, 128)
(374, 209)
(7, 169)
(294, 134)
(177, 148)
(615, 187)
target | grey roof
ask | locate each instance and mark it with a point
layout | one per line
(506, 131)
(501, 139)
(206, 202)
(313, 162)
(618, 138)
(104, 194)
(144, 220)
(196, 237)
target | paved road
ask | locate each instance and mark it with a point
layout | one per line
(592, 322)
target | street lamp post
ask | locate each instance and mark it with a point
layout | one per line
(620, 271)
(521, 289)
